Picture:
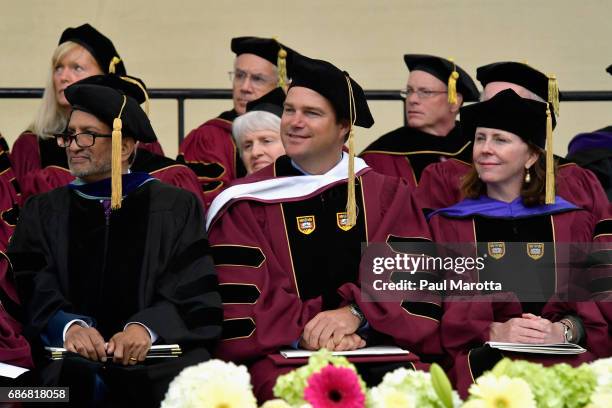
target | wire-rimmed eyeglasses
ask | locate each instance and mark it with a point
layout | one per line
(421, 93)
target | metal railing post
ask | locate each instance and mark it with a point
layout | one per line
(181, 119)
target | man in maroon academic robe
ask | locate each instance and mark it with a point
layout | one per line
(287, 254)
(432, 133)
(440, 182)
(261, 65)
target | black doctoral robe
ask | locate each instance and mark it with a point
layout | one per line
(148, 262)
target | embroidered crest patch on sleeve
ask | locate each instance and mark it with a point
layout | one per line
(306, 224)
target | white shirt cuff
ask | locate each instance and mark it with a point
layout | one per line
(70, 323)
(151, 333)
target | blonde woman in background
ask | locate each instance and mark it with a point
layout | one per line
(82, 52)
(39, 163)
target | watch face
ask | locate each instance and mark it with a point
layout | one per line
(569, 336)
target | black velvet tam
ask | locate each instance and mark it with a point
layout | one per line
(507, 111)
(100, 46)
(331, 82)
(442, 69)
(105, 103)
(271, 102)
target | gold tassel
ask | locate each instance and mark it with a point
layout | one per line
(116, 170)
(281, 63)
(550, 161)
(452, 84)
(553, 93)
(111, 66)
(144, 91)
(351, 203)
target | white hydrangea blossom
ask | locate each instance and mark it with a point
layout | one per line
(406, 388)
(210, 384)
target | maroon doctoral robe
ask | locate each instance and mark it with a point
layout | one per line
(9, 196)
(282, 261)
(42, 166)
(465, 325)
(441, 182)
(211, 153)
(601, 269)
(406, 152)
(14, 349)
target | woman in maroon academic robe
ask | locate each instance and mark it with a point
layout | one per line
(440, 183)
(82, 52)
(506, 217)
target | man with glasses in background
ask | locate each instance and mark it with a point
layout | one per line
(436, 89)
(261, 65)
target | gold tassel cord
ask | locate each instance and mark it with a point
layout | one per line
(144, 91)
(553, 93)
(351, 203)
(282, 68)
(550, 161)
(116, 170)
(111, 66)
(452, 84)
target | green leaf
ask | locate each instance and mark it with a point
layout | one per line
(441, 385)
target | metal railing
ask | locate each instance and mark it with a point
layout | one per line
(182, 94)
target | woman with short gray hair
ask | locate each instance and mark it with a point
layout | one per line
(257, 132)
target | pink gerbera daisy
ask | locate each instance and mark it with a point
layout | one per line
(334, 387)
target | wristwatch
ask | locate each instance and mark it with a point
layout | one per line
(568, 332)
(355, 311)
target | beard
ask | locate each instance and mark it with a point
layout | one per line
(93, 169)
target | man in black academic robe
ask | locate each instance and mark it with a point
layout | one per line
(435, 91)
(106, 275)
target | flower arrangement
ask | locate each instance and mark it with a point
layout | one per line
(212, 384)
(557, 386)
(522, 383)
(503, 391)
(603, 372)
(277, 403)
(333, 387)
(328, 381)
(602, 395)
(412, 388)
(291, 386)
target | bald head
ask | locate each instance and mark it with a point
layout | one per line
(493, 88)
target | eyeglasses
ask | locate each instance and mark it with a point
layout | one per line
(421, 93)
(83, 139)
(258, 81)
